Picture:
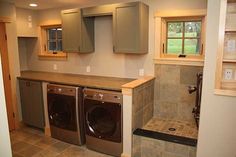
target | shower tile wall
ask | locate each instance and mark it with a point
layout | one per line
(172, 100)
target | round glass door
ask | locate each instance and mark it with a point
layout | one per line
(62, 111)
(100, 122)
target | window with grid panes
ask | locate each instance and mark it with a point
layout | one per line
(183, 37)
(54, 39)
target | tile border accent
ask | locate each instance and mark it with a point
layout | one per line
(166, 137)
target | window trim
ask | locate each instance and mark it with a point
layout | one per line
(43, 43)
(164, 32)
(170, 60)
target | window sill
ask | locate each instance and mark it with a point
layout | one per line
(225, 92)
(50, 55)
(180, 61)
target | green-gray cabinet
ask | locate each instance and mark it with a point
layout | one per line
(130, 28)
(31, 95)
(77, 32)
(130, 25)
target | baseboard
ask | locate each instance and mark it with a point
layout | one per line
(47, 131)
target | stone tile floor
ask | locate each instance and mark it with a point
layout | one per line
(29, 142)
(184, 129)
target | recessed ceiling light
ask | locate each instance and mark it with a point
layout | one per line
(33, 4)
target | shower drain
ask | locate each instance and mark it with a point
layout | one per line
(172, 129)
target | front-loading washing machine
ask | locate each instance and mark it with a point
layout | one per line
(65, 113)
(103, 121)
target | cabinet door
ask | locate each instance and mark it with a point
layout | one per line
(71, 34)
(25, 101)
(130, 28)
(32, 103)
(37, 108)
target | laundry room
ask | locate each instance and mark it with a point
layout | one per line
(118, 78)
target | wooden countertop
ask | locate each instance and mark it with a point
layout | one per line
(110, 83)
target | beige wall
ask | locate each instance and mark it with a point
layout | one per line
(118, 65)
(217, 136)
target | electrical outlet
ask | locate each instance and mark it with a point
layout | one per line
(228, 74)
(88, 69)
(54, 67)
(141, 72)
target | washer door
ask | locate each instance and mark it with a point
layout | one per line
(62, 111)
(103, 120)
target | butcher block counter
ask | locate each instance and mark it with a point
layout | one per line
(109, 83)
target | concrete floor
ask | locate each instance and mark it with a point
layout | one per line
(29, 142)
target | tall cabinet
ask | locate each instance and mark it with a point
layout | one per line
(226, 61)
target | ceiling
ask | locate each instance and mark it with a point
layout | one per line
(48, 4)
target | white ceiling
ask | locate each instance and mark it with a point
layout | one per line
(48, 4)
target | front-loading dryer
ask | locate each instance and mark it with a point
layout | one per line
(65, 113)
(103, 121)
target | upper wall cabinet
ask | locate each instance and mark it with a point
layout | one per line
(130, 28)
(77, 32)
(26, 23)
(130, 25)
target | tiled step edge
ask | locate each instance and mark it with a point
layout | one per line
(166, 137)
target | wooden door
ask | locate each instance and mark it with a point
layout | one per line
(6, 76)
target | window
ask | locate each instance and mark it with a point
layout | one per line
(54, 39)
(182, 37)
(51, 41)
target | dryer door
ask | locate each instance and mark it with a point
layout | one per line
(103, 120)
(62, 111)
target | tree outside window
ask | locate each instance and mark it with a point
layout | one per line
(183, 37)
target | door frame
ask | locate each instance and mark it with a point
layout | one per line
(6, 76)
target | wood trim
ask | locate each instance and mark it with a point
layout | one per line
(43, 43)
(220, 49)
(5, 19)
(137, 82)
(6, 77)
(47, 131)
(180, 61)
(225, 92)
(162, 58)
(181, 13)
(60, 55)
(229, 60)
(127, 91)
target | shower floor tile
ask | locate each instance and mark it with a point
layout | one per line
(172, 127)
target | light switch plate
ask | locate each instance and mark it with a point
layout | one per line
(141, 72)
(88, 69)
(228, 74)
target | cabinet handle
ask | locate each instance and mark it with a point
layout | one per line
(114, 49)
(79, 48)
